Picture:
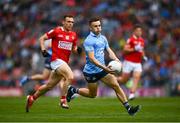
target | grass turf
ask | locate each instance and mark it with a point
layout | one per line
(89, 110)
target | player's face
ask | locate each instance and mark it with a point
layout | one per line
(95, 27)
(68, 23)
(138, 32)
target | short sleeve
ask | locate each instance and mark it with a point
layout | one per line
(88, 46)
(51, 33)
(130, 42)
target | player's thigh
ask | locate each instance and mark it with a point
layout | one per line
(137, 67)
(54, 79)
(65, 71)
(125, 77)
(137, 74)
(62, 68)
(92, 88)
(46, 73)
(110, 80)
(137, 70)
(126, 70)
(127, 67)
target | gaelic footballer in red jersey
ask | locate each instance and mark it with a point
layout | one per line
(133, 55)
(136, 55)
(63, 42)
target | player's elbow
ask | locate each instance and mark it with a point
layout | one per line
(92, 60)
(125, 49)
(43, 38)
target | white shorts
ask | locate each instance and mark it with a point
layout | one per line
(131, 66)
(57, 63)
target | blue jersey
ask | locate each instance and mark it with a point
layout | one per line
(47, 60)
(97, 44)
(49, 52)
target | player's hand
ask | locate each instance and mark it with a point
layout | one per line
(109, 70)
(145, 58)
(138, 47)
(117, 60)
(45, 53)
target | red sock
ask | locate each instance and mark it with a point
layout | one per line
(63, 97)
(131, 92)
(34, 97)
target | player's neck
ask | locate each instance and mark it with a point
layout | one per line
(66, 30)
(135, 36)
(95, 33)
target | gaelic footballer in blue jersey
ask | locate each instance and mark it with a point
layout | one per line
(95, 69)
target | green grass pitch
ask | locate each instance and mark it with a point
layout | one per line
(46, 109)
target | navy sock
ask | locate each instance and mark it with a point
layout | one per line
(126, 105)
(28, 78)
(75, 90)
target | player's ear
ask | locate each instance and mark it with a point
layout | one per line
(90, 27)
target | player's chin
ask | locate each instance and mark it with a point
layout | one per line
(69, 28)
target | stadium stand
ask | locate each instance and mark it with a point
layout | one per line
(23, 21)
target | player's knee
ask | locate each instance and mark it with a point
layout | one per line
(122, 80)
(115, 86)
(70, 78)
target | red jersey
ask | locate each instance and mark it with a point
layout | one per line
(62, 43)
(135, 56)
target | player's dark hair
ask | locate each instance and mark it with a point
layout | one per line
(137, 26)
(68, 15)
(94, 19)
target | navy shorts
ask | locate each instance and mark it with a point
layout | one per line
(92, 78)
(47, 63)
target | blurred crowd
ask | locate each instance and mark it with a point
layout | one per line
(22, 22)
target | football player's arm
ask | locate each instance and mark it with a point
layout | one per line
(42, 39)
(144, 57)
(127, 48)
(112, 54)
(77, 50)
(97, 63)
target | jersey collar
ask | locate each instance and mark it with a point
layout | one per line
(94, 35)
(135, 37)
(62, 28)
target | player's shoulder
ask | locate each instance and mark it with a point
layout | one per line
(141, 38)
(103, 36)
(73, 33)
(88, 40)
(57, 29)
(130, 39)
